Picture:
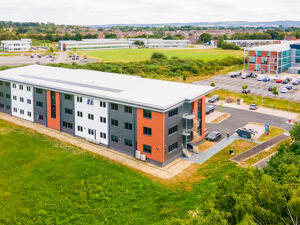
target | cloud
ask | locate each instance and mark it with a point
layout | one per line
(147, 11)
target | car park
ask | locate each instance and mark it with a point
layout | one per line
(253, 107)
(246, 91)
(213, 98)
(266, 79)
(209, 109)
(214, 136)
(289, 87)
(283, 90)
(278, 81)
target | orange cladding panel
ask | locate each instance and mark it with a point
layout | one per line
(264, 54)
(252, 53)
(251, 67)
(53, 122)
(157, 138)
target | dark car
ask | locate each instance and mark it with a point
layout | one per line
(213, 98)
(246, 91)
(270, 88)
(253, 107)
(239, 74)
(249, 74)
(233, 75)
(286, 81)
(209, 109)
(253, 75)
(206, 132)
(296, 82)
(289, 79)
(289, 87)
(213, 136)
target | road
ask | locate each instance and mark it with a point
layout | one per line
(257, 87)
(240, 118)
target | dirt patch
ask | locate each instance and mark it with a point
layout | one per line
(216, 117)
(205, 146)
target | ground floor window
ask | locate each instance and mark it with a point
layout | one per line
(147, 149)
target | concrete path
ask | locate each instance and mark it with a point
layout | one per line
(201, 157)
(259, 148)
(166, 172)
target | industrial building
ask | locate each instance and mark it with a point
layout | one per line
(275, 58)
(16, 45)
(148, 119)
(161, 43)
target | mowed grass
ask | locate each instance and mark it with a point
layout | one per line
(133, 55)
(44, 181)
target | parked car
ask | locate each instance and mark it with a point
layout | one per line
(206, 132)
(253, 107)
(289, 79)
(253, 75)
(260, 78)
(239, 74)
(289, 87)
(266, 79)
(283, 90)
(233, 75)
(214, 136)
(296, 82)
(270, 88)
(213, 98)
(246, 91)
(278, 81)
(276, 77)
(249, 74)
(244, 76)
(209, 109)
(285, 81)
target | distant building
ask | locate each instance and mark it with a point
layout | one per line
(161, 43)
(275, 58)
(250, 43)
(16, 45)
(86, 44)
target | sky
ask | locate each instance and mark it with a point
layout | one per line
(99, 12)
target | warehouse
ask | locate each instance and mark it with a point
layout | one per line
(149, 119)
(16, 45)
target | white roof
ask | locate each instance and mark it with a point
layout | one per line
(17, 41)
(133, 90)
(93, 41)
(273, 47)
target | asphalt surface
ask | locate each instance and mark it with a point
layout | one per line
(259, 148)
(239, 118)
(256, 87)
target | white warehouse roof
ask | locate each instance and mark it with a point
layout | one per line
(132, 90)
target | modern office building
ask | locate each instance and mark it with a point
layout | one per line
(16, 45)
(161, 43)
(86, 44)
(147, 119)
(295, 58)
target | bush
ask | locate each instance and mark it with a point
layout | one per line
(227, 45)
(212, 85)
(158, 56)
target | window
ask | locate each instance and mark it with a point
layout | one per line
(102, 119)
(90, 101)
(147, 113)
(53, 104)
(1, 83)
(15, 110)
(21, 99)
(103, 135)
(7, 95)
(1, 94)
(128, 142)
(29, 114)
(14, 86)
(39, 104)
(79, 99)
(22, 111)
(39, 91)
(29, 101)
(28, 88)
(79, 114)
(90, 116)
(114, 122)
(67, 125)
(79, 128)
(21, 87)
(172, 147)
(68, 111)
(114, 106)
(40, 117)
(103, 104)
(173, 112)
(8, 107)
(91, 132)
(128, 109)
(128, 126)
(68, 97)
(147, 149)
(114, 138)
(172, 130)
(1, 105)
(7, 84)
(147, 130)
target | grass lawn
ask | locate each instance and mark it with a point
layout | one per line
(280, 104)
(44, 181)
(221, 118)
(131, 55)
(273, 132)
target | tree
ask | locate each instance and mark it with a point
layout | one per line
(295, 133)
(244, 87)
(158, 56)
(212, 85)
(220, 41)
(205, 37)
(275, 91)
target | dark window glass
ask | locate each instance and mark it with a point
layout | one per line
(128, 142)
(147, 130)
(147, 113)
(128, 126)
(173, 112)
(39, 91)
(68, 111)
(128, 109)
(114, 138)
(114, 106)
(172, 147)
(114, 122)
(53, 104)
(68, 97)
(173, 130)
(147, 149)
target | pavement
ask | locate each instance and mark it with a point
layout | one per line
(167, 172)
(259, 148)
(257, 87)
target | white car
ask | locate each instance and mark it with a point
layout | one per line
(260, 78)
(283, 90)
(276, 77)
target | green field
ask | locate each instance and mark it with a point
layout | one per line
(132, 55)
(44, 181)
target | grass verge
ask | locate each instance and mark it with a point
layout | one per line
(273, 132)
(221, 118)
